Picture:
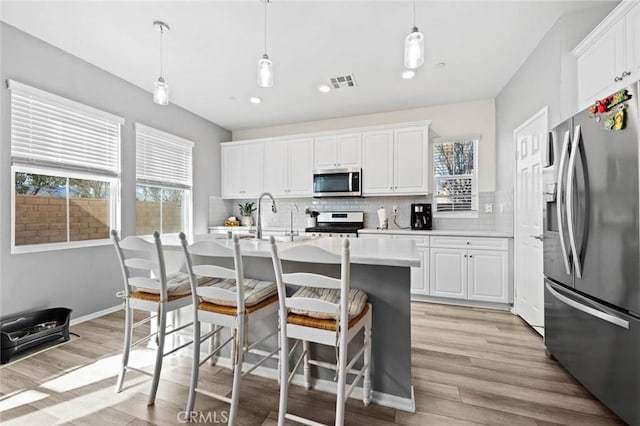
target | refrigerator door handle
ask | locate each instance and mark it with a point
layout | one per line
(570, 176)
(563, 159)
(588, 309)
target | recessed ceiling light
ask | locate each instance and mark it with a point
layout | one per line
(324, 89)
(408, 74)
(255, 100)
(441, 65)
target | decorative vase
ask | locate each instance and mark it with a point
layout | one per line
(311, 222)
(246, 221)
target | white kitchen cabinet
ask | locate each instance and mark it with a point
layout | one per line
(419, 275)
(488, 272)
(470, 268)
(288, 167)
(338, 151)
(606, 58)
(448, 273)
(396, 161)
(242, 170)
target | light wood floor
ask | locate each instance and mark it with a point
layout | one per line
(470, 366)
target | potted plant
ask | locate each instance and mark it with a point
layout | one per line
(246, 211)
(312, 215)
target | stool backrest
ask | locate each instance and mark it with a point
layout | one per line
(219, 249)
(319, 255)
(137, 256)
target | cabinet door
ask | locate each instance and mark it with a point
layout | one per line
(410, 160)
(275, 168)
(419, 276)
(600, 64)
(253, 165)
(488, 275)
(448, 277)
(300, 163)
(325, 152)
(349, 150)
(232, 171)
(633, 44)
(377, 169)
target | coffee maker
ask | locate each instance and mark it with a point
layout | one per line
(421, 216)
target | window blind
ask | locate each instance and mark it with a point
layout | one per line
(455, 178)
(50, 130)
(162, 158)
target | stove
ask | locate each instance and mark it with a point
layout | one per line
(338, 224)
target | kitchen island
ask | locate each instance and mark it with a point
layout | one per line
(382, 270)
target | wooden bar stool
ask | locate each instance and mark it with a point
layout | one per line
(147, 288)
(232, 302)
(323, 310)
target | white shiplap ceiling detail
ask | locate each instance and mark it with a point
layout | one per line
(211, 52)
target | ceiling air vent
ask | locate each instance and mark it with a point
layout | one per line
(343, 82)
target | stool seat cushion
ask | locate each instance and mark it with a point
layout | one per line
(255, 291)
(155, 297)
(233, 310)
(177, 285)
(357, 301)
(324, 324)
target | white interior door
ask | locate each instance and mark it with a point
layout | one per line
(530, 141)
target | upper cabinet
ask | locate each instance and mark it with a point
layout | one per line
(608, 58)
(288, 167)
(242, 170)
(338, 151)
(396, 161)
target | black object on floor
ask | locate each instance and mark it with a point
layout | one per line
(31, 329)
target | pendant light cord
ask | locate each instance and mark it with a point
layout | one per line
(161, 58)
(414, 13)
(265, 26)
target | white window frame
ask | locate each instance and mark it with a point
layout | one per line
(114, 208)
(187, 187)
(59, 168)
(473, 213)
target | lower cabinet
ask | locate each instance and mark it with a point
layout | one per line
(481, 275)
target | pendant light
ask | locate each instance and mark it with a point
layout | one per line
(265, 66)
(414, 45)
(160, 88)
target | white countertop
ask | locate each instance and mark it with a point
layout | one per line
(398, 231)
(363, 251)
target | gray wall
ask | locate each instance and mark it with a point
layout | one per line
(547, 77)
(86, 279)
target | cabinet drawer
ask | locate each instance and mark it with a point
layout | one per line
(421, 240)
(485, 243)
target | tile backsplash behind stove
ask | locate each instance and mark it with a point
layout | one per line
(500, 219)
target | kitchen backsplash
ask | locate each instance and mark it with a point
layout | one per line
(499, 219)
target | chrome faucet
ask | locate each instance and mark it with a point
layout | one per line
(274, 209)
(291, 233)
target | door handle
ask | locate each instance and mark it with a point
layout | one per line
(538, 237)
(588, 309)
(560, 188)
(570, 175)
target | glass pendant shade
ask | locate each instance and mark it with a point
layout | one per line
(414, 49)
(265, 72)
(161, 92)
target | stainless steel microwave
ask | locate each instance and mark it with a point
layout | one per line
(337, 183)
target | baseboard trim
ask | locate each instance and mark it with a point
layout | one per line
(379, 398)
(461, 302)
(95, 315)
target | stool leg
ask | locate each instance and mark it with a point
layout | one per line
(128, 325)
(238, 353)
(307, 367)
(195, 366)
(342, 381)
(366, 388)
(162, 326)
(283, 378)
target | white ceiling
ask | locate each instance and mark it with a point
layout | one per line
(212, 50)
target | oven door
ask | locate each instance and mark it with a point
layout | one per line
(337, 183)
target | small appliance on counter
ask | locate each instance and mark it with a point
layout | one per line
(338, 224)
(421, 217)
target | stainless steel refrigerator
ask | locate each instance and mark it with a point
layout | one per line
(592, 254)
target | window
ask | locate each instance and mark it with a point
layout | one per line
(455, 170)
(164, 181)
(65, 171)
